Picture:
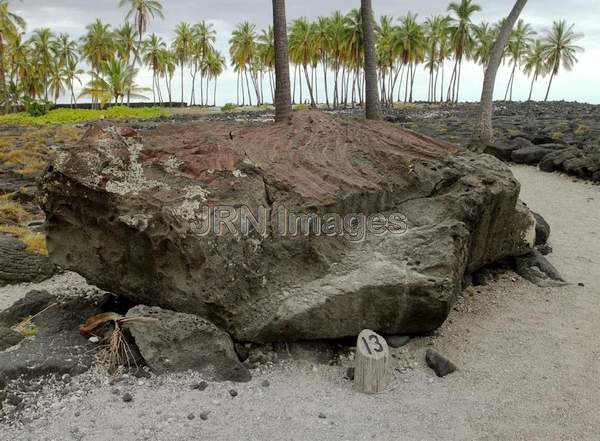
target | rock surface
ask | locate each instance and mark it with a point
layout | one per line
(18, 265)
(57, 346)
(538, 270)
(125, 210)
(175, 342)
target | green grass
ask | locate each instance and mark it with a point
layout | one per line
(72, 116)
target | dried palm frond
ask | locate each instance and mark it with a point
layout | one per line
(116, 352)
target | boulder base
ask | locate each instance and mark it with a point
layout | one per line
(129, 210)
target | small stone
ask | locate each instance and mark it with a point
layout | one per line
(204, 415)
(199, 386)
(397, 341)
(581, 284)
(127, 397)
(116, 392)
(93, 339)
(191, 416)
(322, 415)
(66, 378)
(266, 383)
(233, 393)
(440, 364)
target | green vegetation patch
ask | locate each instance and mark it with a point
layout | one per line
(72, 116)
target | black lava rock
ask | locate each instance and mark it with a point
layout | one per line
(397, 341)
(542, 229)
(440, 364)
(199, 386)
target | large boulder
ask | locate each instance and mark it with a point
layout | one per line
(132, 212)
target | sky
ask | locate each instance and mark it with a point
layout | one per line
(582, 84)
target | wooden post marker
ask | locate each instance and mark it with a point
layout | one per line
(372, 359)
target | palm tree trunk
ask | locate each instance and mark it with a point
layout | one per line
(458, 80)
(283, 100)
(215, 93)
(372, 94)
(181, 65)
(310, 89)
(549, 86)
(484, 132)
(510, 82)
(531, 88)
(248, 86)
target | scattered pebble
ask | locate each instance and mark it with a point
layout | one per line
(265, 383)
(191, 416)
(233, 393)
(127, 397)
(204, 415)
(322, 415)
(199, 386)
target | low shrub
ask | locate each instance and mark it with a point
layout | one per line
(73, 116)
(37, 108)
(228, 107)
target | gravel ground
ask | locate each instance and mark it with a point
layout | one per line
(528, 357)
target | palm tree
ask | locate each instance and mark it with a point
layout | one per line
(215, 66)
(535, 63)
(64, 49)
(242, 49)
(485, 37)
(42, 42)
(204, 37)
(71, 73)
(436, 37)
(10, 26)
(412, 40)
(372, 94)
(266, 53)
(167, 67)
(56, 82)
(126, 37)
(354, 52)
(97, 46)
(283, 99)
(484, 132)
(462, 40)
(518, 45)
(302, 46)
(560, 50)
(114, 82)
(141, 11)
(182, 48)
(152, 57)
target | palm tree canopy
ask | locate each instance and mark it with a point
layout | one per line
(462, 36)
(559, 47)
(142, 11)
